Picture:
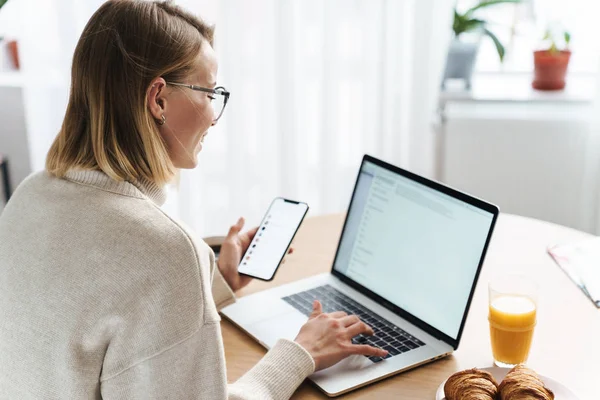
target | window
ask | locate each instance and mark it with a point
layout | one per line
(520, 28)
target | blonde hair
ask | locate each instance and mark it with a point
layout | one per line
(107, 125)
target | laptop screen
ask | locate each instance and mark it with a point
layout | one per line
(414, 246)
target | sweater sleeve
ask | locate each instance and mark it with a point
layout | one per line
(222, 293)
(184, 372)
(277, 375)
(282, 369)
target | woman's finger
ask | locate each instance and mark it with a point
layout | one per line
(252, 232)
(317, 309)
(338, 314)
(349, 320)
(358, 328)
(235, 229)
(365, 350)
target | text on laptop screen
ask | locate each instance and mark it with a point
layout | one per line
(414, 246)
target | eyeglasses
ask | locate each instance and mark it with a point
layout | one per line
(218, 100)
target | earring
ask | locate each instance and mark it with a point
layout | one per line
(162, 122)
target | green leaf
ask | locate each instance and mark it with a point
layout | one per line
(499, 46)
(462, 24)
(473, 24)
(487, 3)
(567, 38)
(457, 25)
(547, 35)
(2, 2)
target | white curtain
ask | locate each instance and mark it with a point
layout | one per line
(315, 85)
(48, 34)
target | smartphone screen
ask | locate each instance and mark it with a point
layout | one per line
(273, 238)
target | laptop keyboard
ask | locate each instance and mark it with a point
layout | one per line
(387, 335)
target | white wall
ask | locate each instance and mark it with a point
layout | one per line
(529, 159)
(13, 134)
(9, 19)
(27, 132)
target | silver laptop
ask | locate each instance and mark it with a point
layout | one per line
(407, 263)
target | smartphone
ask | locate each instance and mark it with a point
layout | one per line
(273, 238)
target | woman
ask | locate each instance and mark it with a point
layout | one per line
(102, 295)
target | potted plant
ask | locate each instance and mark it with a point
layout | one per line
(462, 54)
(551, 64)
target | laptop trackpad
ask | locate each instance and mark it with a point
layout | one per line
(287, 326)
(282, 326)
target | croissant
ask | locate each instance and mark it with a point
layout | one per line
(471, 384)
(522, 383)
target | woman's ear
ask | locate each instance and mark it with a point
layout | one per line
(156, 99)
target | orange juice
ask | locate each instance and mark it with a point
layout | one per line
(512, 319)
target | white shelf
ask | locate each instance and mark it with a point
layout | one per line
(11, 79)
(18, 79)
(516, 88)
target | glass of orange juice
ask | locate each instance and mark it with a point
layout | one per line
(512, 317)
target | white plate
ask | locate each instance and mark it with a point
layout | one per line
(560, 391)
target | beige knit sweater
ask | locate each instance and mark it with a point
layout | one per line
(102, 295)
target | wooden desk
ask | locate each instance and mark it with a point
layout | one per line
(566, 341)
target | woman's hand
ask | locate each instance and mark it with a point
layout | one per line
(233, 248)
(327, 337)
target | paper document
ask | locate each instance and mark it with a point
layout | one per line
(581, 262)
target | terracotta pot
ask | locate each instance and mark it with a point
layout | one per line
(14, 52)
(550, 69)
